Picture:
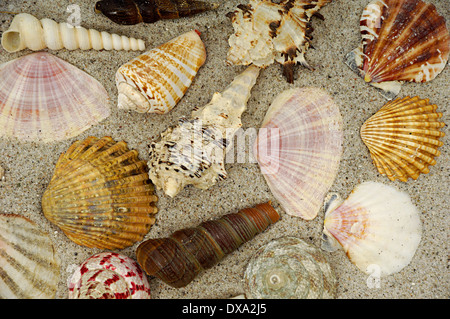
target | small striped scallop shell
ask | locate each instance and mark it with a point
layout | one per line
(403, 137)
(43, 98)
(29, 266)
(289, 268)
(299, 148)
(378, 227)
(109, 275)
(155, 81)
(402, 40)
(100, 194)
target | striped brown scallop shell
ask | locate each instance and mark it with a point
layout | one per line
(403, 137)
(402, 40)
(100, 194)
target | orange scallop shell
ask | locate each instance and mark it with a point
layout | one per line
(100, 194)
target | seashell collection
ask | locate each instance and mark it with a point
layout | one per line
(124, 171)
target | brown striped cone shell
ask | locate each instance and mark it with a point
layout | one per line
(403, 137)
(155, 81)
(30, 268)
(100, 195)
(193, 152)
(299, 147)
(377, 226)
(108, 275)
(128, 12)
(265, 31)
(402, 40)
(289, 268)
(28, 32)
(46, 99)
(179, 258)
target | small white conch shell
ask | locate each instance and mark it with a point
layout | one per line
(377, 226)
(155, 81)
(193, 152)
(299, 147)
(109, 275)
(26, 31)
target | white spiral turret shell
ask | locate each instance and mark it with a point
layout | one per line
(26, 31)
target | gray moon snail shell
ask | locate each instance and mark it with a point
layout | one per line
(289, 268)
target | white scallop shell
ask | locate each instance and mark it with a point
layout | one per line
(377, 226)
(26, 31)
(29, 265)
(108, 275)
(299, 147)
(155, 81)
(44, 98)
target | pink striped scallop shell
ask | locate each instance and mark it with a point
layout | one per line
(109, 275)
(299, 147)
(44, 98)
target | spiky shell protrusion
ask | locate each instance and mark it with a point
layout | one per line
(29, 265)
(155, 81)
(378, 227)
(266, 31)
(108, 275)
(193, 152)
(289, 268)
(44, 98)
(100, 194)
(403, 137)
(402, 40)
(299, 147)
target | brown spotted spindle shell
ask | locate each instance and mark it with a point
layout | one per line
(128, 12)
(178, 259)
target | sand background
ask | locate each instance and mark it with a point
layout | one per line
(29, 166)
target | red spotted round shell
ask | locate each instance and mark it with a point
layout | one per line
(108, 275)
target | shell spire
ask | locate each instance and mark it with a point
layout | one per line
(193, 152)
(26, 31)
(178, 259)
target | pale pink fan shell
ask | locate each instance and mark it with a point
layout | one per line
(43, 98)
(300, 155)
(108, 269)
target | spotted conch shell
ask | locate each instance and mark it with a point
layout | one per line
(44, 98)
(266, 31)
(402, 40)
(28, 32)
(403, 137)
(299, 147)
(193, 152)
(29, 265)
(378, 227)
(155, 81)
(289, 268)
(109, 275)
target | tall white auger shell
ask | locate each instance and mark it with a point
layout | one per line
(26, 31)
(378, 227)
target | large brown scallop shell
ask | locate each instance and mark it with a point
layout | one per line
(402, 40)
(403, 137)
(100, 194)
